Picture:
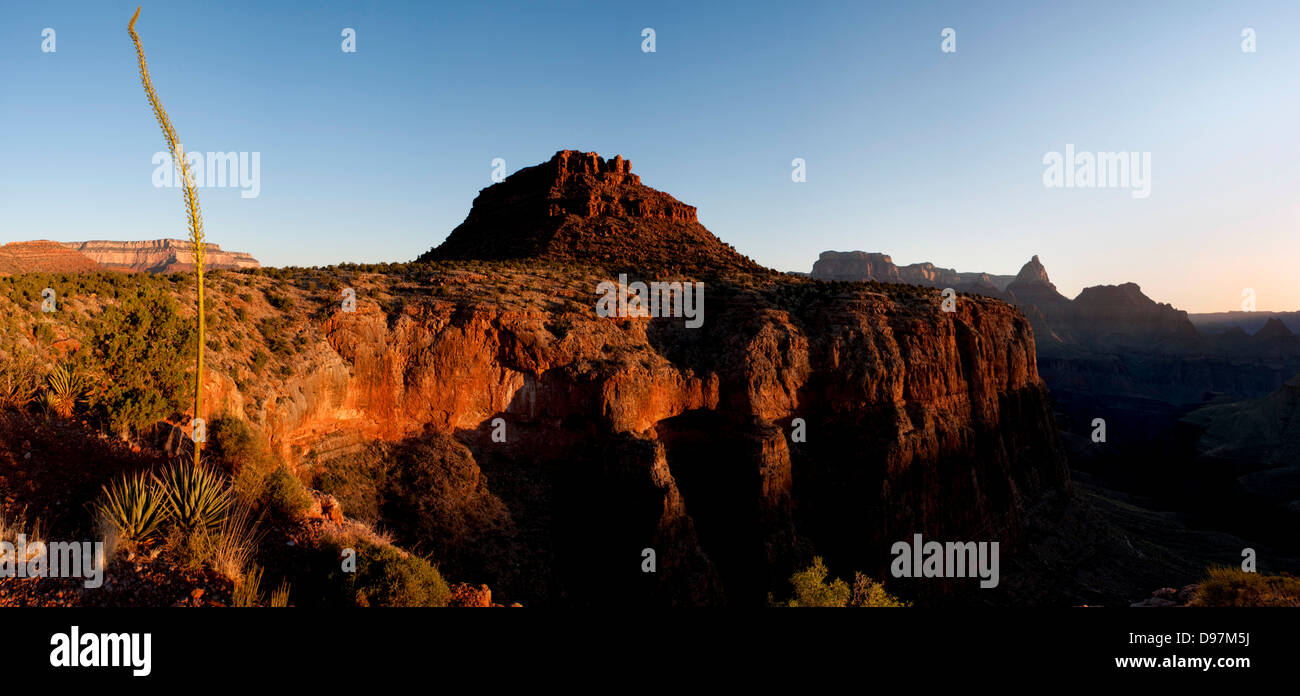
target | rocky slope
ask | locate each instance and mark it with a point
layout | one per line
(1258, 439)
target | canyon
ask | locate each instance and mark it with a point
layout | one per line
(476, 405)
(631, 433)
(1199, 414)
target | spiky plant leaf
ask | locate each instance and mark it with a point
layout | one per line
(197, 497)
(134, 505)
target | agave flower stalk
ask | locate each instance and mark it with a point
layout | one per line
(194, 215)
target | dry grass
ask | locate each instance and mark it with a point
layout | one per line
(280, 596)
(11, 529)
(248, 589)
(107, 531)
(231, 550)
(1227, 586)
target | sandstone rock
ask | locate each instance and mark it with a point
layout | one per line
(158, 255)
(331, 509)
(581, 207)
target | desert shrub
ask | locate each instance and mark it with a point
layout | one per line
(869, 593)
(1226, 586)
(285, 496)
(143, 346)
(243, 452)
(230, 549)
(45, 333)
(259, 361)
(233, 442)
(386, 577)
(812, 590)
(196, 495)
(279, 301)
(135, 505)
(18, 382)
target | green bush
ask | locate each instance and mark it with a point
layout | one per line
(259, 361)
(385, 577)
(144, 347)
(812, 590)
(233, 442)
(285, 495)
(869, 593)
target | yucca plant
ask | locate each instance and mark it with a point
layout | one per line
(193, 214)
(196, 496)
(64, 388)
(134, 505)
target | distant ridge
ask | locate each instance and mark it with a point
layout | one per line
(863, 265)
(158, 255)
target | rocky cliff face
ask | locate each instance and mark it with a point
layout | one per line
(552, 449)
(157, 255)
(623, 435)
(800, 418)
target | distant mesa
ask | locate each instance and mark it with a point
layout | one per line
(580, 207)
(151, 256)
(862, 265)
(1101, 314)
(159, 255)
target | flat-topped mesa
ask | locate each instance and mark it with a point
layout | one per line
(580, 207)
(158, 255)
(861, 265)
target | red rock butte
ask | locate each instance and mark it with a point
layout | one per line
(580, 207)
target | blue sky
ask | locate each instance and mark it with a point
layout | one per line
(928, 156)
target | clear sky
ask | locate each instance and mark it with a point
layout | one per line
(928, 156)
